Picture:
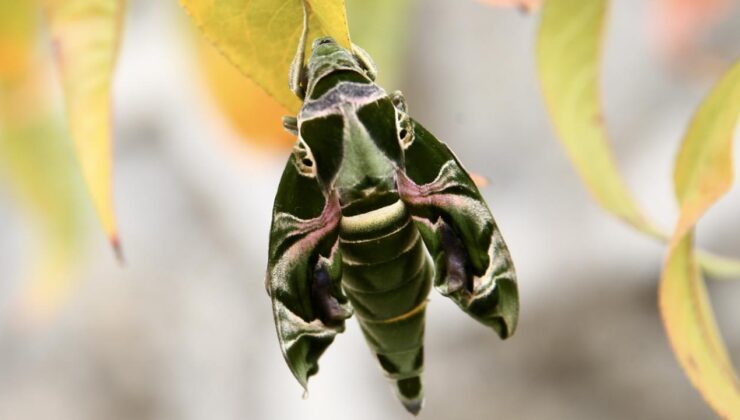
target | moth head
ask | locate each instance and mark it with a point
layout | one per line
(330, 62)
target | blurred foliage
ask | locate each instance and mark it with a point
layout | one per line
(85, 35)
(703, 173)
(679, 24)
(568, 53)
(386, 47)
(37, 163)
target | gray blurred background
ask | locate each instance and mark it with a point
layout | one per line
(185, 330)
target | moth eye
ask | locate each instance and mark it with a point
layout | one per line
(303, 159)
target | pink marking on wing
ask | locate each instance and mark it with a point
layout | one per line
(316, 228)
(428, 194)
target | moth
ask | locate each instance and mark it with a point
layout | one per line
(371, 209)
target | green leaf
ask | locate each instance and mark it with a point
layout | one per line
(261, 36)
(568, 54)
(387, 47)
(85, 36)
(703, 173)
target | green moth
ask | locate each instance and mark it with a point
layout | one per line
(372, 209)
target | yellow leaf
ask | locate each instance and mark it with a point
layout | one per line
(37, 164)
(254, 114)
(16, 26)
(568, 54)
(260, 36)
(85, 36)
(703, 173)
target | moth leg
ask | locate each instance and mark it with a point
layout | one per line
(366, 62)
(297, 73)
(330, 311)
(290, 124)
(459, 275)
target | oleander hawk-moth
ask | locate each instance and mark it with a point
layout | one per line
(372, 208)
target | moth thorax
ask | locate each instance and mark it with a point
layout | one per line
(328, 57)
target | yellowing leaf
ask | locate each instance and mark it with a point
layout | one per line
(255, 115)
(568, 53)
(37, 164)
(16, 26)
(260, 36)
(703, 173)
(704, 170)
(85, 35)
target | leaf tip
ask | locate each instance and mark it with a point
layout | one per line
(115, 243)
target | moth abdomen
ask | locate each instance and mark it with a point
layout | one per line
(386, 276)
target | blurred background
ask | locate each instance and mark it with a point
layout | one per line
(184, 330)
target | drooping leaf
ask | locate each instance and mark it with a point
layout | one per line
(703, 173)
(37, 166)
(86, 36)
(260, 36)
(568, 56)
(17, 28)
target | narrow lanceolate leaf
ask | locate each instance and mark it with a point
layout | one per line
(85, 36)
(37, 165)
(703, 173)
(17, 28)
(568, 54)
(261, 36)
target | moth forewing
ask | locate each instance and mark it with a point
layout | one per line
(302, 238)
(473, 265)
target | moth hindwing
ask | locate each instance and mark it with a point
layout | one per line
(371, 211)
